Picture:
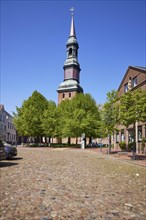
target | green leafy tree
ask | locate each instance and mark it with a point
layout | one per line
(132, 108)
(50, 120)
(86, 115)
(79, 115)
(19, 122)
(65, 114)
(28, 118)
(110, 115)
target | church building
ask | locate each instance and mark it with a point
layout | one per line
(71, 84)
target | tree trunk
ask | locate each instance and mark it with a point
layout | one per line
(133, 148)
(85, 141)
(90, 140)
(109, 146)
(49, 142)
(136, 136)
(69, 141)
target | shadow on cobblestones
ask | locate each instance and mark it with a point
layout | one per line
(139, 157)
(7, 164)
(16, 158)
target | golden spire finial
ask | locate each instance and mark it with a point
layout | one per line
(72, 10)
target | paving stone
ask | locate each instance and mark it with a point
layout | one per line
(71, 184)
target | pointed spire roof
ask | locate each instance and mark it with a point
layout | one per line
(72, 28)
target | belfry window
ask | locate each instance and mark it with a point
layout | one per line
(70, 51)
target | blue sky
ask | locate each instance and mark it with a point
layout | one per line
(111, 36)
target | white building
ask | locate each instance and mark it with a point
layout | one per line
(7, 129)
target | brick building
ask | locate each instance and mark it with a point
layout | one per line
(134, 78)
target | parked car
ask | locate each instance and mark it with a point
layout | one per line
(2, 151)
(10, 150)
(95, 144)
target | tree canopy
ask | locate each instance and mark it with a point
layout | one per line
(39, 117)
(132, 107)
(109, 113)
(28, 118)
(79, 115)
(51, 120)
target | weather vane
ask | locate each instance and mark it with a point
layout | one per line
(72, 10)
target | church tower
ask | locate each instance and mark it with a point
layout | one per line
(71, 84)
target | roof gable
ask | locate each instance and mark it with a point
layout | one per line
(136, 68)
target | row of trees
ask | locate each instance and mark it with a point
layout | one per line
(125, 110)
(39, 117)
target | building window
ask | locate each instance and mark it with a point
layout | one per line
(70, 95)
(1, 127)
(117, 137)
(126, 87)
(63, 96)
(131, 135)
(134, 82)
(122, 135)
(139, 133)
(3, 118)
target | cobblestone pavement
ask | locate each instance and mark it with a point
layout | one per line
(140, 159)
(74, 184)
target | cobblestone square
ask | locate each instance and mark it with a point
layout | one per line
(53, 184)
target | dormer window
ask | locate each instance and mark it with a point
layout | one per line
(126, 87)
(134, 81)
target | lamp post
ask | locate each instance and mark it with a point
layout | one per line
(83, 141)
(136, 136)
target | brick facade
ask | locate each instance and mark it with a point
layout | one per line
(134, 78)
(66, 95)
(133, 72)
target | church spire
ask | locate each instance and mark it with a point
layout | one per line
(72, 28)
(71, 84)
